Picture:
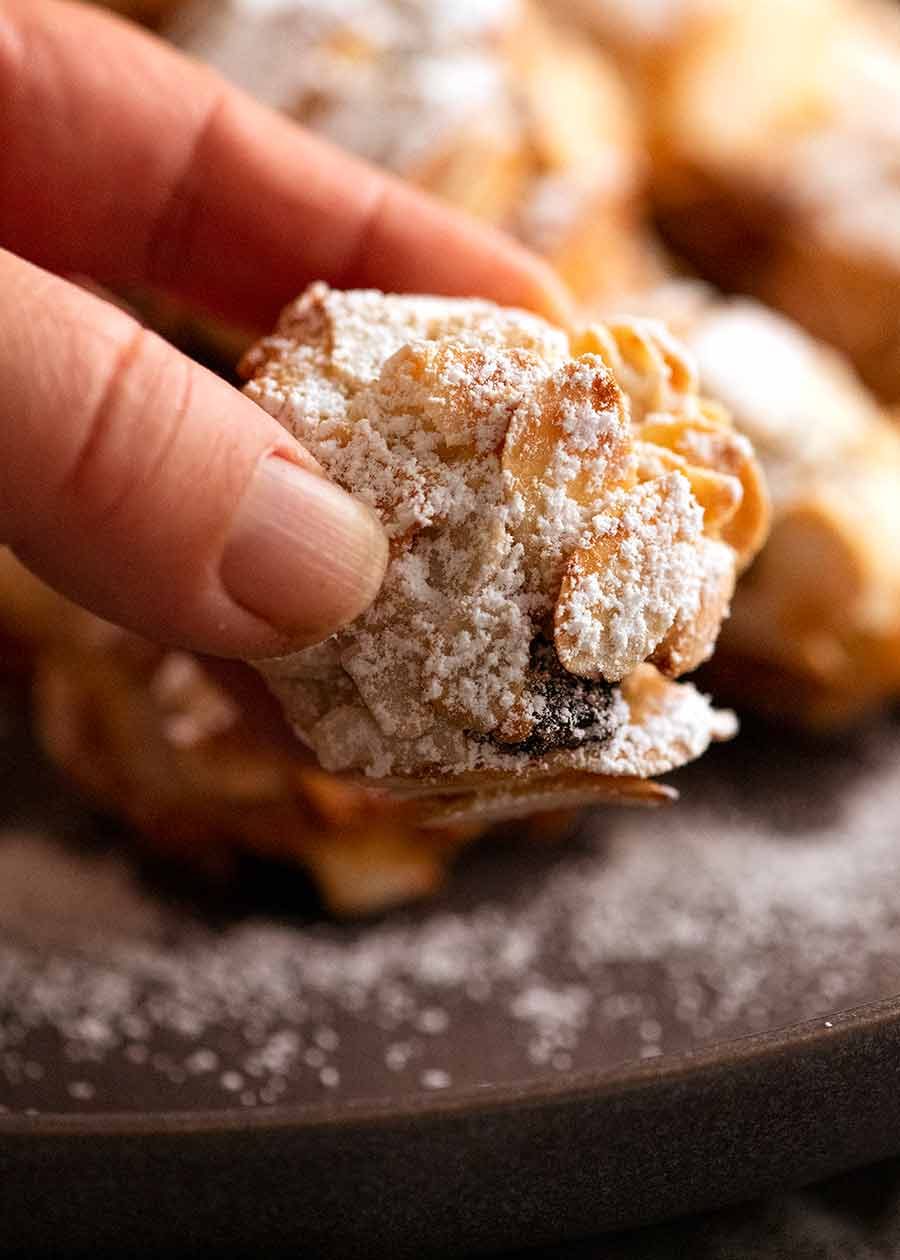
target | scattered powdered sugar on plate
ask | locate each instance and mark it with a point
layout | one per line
(769, 895)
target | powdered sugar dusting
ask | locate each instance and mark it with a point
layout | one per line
(495, 459)
(621, 597)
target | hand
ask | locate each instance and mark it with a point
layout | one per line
(131, 479)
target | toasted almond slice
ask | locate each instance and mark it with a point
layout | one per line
(719, 494)
(652, 367)
(469, 393)
(621, 594)
(379, 863)
(708, 441)
(691, 640)
(651, 696)
(338, 802)
(572, 433)
(568, 790)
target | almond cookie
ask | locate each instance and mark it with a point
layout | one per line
(567, 517)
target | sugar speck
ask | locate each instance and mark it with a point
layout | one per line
(435, 1078)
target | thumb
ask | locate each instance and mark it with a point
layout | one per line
(147, 489)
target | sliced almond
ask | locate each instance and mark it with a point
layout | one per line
(474, 393)
(621, 594)
(380, 863)
(691, 640)
(649, 363)
(571, 433)
(568, 790)
(719, 494)
(707, 441)
(463, 392)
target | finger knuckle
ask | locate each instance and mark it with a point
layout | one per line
(129, 429)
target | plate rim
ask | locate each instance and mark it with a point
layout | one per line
(561, 1089)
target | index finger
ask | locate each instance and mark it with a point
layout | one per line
(124, 160)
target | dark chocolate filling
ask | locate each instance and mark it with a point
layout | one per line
(569, 712)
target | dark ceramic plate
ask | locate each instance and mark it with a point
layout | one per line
(673, 1010)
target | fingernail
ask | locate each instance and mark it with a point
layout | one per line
(302, 554)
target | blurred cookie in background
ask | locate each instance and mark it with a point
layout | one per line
(203, 769)
(814, 632)
(491, 106)
(775, 131)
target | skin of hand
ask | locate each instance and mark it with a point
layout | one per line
(133, 480)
